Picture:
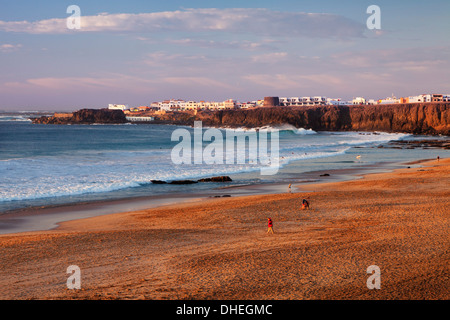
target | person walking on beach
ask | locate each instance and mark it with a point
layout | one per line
(289, 188)
(269, 225)
(305, 204)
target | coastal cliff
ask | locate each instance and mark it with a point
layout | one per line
(415, 118)
(418, 118)
(85, 116)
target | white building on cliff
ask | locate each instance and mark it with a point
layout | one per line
(118, 107)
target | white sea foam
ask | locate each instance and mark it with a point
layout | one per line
(14, 118)
(290, 128)
(96, 171)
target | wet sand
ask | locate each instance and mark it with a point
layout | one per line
(218, 248)
(48, 217)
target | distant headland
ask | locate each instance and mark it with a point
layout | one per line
(417, 118)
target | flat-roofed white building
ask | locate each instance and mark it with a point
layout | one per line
(389, 100)
(292, 101)
(427, 98)
(303, 101)
(336, 102)
(246, 105)
(171, 105)
(118, 106)
(306, 101)
(229, 104)
(359, 100)
(188, 105)
(318, 100)
(139, 118)
(295, 101)
(415, 99)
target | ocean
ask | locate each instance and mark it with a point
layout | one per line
(50, 165)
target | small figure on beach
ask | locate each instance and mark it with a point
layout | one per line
(358, 157)
(269, 225)
(438, 158)
(305, 204)
(289, 188)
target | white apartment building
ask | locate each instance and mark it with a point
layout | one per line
(389, 100)
(359, 100)
(213, 105)
(246, 105)
(293, 101)
(229, 104)
(303, 101)
(319, 100)
(171, 105)
(414, 99)
(429, 98)
(188, 105)
(336, 102)
(284, 101)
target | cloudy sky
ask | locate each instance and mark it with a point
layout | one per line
(136, 52)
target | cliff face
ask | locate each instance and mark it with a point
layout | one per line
(417, 118)
(426, 118)
(87, 116)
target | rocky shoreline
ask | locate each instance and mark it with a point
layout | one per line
(418, 118)
(212, 179)
(417, 144)
(85, 116)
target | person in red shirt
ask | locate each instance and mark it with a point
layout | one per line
(270, 225)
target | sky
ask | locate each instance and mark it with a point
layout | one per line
(137, 52)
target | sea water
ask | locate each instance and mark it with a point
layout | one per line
(43, 165)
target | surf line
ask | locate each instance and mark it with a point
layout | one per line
(191, 151)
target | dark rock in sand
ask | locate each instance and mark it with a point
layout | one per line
(183, 182)
(216, 179)
(158, 182)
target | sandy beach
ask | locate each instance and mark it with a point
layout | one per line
(219, 249)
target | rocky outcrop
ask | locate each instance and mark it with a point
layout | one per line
(418, 144)
(212, 179)
(158, 181)
(86, 116)
(183, 182)
(216, 179)
(417, 118)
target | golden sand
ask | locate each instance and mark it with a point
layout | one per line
(219, 248)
